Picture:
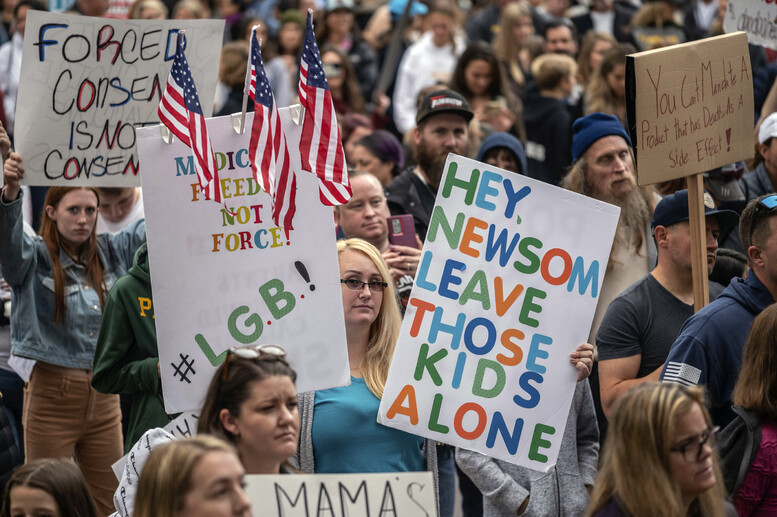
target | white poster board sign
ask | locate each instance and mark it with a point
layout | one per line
(507, 286)
(87, 83)
(400, 494)
(221, 281)
(757, 18)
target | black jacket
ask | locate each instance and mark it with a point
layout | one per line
(408, 194)
(548, 138)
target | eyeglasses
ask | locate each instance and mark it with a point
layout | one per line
(692, 451)
(255, 352)
(354, 284)
(764, 207)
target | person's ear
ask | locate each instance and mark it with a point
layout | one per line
(661, 233)
(754, 253)
(229, 422)
(51, 212)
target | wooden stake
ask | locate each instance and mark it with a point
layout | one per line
(701, 286)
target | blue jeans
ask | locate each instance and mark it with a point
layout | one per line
(446, 472)
(12, 388)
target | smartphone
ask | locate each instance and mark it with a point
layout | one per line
(402, 230)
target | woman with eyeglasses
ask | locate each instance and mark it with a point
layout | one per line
(659, 457)
(252, 403)
(755, 396)
(339, 429)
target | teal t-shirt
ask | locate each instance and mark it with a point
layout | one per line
(347, 437)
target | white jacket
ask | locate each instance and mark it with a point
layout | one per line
(422, 65)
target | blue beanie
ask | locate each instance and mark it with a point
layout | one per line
(591, 128)
(508, 141)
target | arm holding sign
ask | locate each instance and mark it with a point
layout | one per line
(5, 143)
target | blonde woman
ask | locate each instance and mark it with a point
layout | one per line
(372, 325)
(200, 476)
(511, 44)
(659, 457)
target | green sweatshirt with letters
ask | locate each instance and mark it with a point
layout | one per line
(126, 358)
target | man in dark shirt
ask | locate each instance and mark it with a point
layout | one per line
(642, 323)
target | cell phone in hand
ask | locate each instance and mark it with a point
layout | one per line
(401, 230)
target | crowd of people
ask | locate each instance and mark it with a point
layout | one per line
(534, 87)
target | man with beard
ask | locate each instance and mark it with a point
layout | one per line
(441, 128)
(603, 168)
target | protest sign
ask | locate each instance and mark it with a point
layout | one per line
(690, 107)
(87, 83)
(507, 286)
(400, 494)
(221, 281)
(755, 17)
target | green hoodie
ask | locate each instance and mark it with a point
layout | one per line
(127, 357)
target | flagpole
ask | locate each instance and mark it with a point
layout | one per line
(247, 85)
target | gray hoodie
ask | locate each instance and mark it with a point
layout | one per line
(559, 492)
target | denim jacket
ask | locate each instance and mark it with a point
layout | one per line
(26, 266)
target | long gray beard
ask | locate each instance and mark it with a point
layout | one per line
(635, 216)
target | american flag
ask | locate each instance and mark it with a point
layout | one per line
(267, 149)
(320, 143)
(180, 110)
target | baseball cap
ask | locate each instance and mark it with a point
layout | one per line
(332, 5)
(443, 101)
(673, 209)
(722, 182)
(768, 128)
(397, 7)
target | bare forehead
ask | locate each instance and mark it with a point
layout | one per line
(366, 186)
(608, 145)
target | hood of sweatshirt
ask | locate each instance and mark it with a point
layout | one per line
(139, 267)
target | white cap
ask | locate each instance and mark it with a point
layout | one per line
(768, 128)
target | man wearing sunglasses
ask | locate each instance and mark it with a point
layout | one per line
(709, 349)
(642, 323)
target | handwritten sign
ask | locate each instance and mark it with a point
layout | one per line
(755, 17)
(506, 288)
(222, 280)
(690, 107)
(403, 494)
(87, 83)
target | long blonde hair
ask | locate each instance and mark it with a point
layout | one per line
(635, 468)
(756, 387)
(505, 46)
(167, 475)
(384, 331)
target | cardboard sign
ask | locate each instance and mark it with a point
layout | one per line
(401, 494)
(755, 17)
(87, 83)
(690, 107)
(221, 281)
(506, 289)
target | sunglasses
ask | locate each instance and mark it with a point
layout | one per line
(762, 209)
(354, 284)
(692, 451)
(253, 353)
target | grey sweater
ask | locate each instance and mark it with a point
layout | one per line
(560, 491)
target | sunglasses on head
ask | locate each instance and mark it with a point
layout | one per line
(762, 209)
(253, 353)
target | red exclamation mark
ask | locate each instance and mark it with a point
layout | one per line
(728, 140)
